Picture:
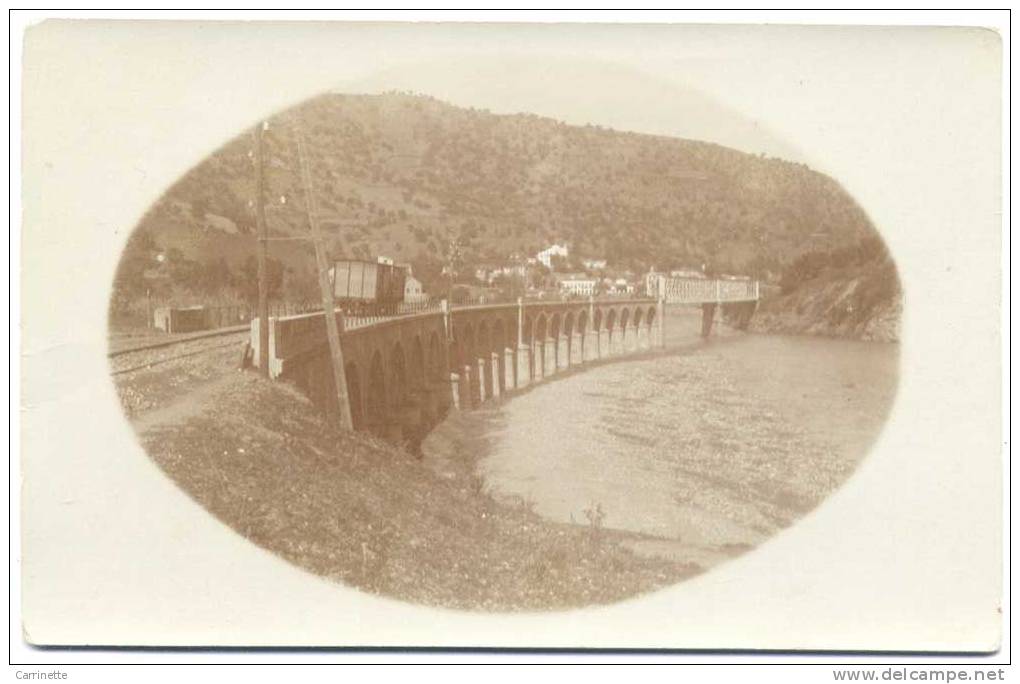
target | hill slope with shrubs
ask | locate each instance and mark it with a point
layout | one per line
(402, 175)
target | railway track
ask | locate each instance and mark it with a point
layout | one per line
(219, 332)
(143, 357)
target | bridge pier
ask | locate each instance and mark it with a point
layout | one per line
(744, 312)
(496, 376)
(538, 361)
(643, 342)
(484, 379)
(523, 366)
(392, 431)
(425, 418)
(550, 358)
(604, 349)
(562, 352)
(576, 349)
(707, 318)
(591, 345)
(407, 420)
(434, 397)
(443, 397)
(629, 340)
(660, 320)
(456, 391)
(615, 343)
(469, 395)
(509, 370)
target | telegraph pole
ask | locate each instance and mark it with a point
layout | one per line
(263, 234)
(328, 308)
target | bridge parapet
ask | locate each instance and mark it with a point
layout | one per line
(404, 372)
(703, 291)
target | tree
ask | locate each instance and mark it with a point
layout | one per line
(301, 285)
(249, 279)
(138, 257)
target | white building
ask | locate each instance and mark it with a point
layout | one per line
(687, 273)
(622, 286)
(546, 255)
(413, 290)
(487, 273)
(580, 287)
(595, 264)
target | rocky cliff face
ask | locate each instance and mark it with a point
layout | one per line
(866, 305)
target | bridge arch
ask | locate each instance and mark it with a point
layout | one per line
(434, 359)
(499, 339)
(398, 377)
(377, 408)
(510, 331)
(597, 320)
(418, 376)
(538, 346)
(501, 344)
(465, 344)
(484, 341)
(483, 353)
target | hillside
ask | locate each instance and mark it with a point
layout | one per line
(852, 292)
(400, 175)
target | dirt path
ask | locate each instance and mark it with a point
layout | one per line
(174, 384)
(196, 402)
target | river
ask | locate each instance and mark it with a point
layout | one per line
(701, 451)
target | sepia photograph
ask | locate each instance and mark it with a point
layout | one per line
(463, 335)
(558, 361)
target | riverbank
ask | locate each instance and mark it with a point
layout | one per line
(356, 510)
(706, 450)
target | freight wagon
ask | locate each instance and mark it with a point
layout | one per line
(368, 288)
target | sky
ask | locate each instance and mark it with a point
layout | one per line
(581, 91)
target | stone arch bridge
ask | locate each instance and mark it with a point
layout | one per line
(405, 373)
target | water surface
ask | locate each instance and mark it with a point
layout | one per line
(703, 451)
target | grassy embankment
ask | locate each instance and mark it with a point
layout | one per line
(367, 513)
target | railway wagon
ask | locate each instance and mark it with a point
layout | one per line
(368, 288)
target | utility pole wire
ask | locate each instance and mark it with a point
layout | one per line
(328, 308)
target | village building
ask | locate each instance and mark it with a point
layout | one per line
(547, 254)
(414, 291)
(578, 286)
(622, 286)
(487, 273)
